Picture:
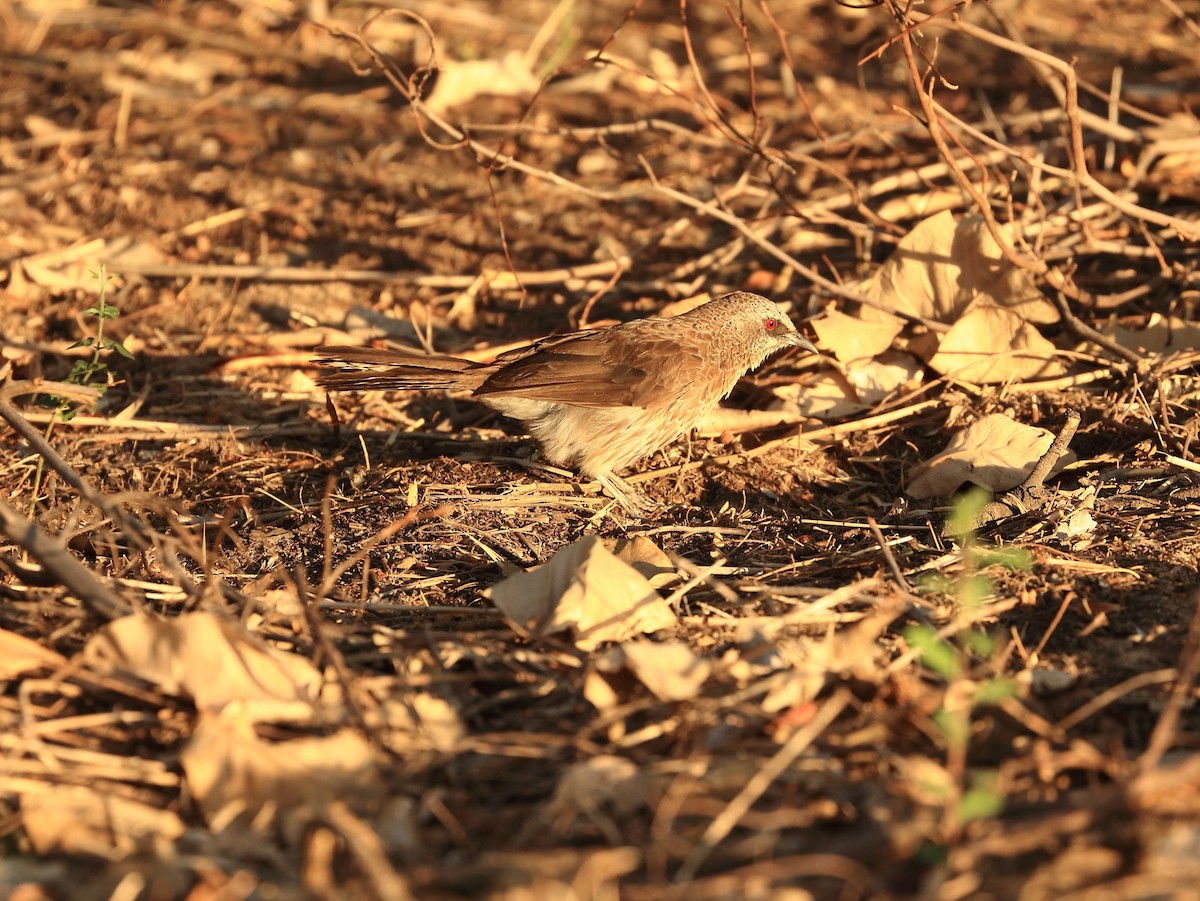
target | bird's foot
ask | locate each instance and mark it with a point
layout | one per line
(631, 499)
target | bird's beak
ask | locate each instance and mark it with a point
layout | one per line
(800, 341)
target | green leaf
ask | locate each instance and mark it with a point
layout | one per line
(966, 511)
(955, 725)
(973, 591)
(1014, 558)
(978, 643)
(980, 804)
(993, 691)
(936, 654)
(83, 342)
(121, 349)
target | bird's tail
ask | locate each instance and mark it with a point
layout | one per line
(368, 369)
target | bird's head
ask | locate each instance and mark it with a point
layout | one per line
(760, 326)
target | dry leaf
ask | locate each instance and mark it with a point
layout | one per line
(226, 763)
(995, 453)
(20, 655)
(78, 820)
(422, 721)
(1161, 334)
(990, 344)
(670, 669)
(213, 661)
(942, 266)
(462, 81)
(850, 338)
(646, 557)
(587, 589)
(74, 268)
(858, 386)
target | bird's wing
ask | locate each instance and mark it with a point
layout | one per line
(621, 367)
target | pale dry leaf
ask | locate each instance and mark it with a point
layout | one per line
(996, 453)
(852, 651)
(20, 655)
(656, 72)
(853, 388)
(825, 396)
(422, 721)
(991, 344)
(213, 661)
(1077, 530)
(800, 237)
(942, 266)
(646, 557)
(670, 669)
(583, 588)
(1162, 334)
(230, 771)
(852, 339)
(461, 81)
(69, 819)
(599, 692)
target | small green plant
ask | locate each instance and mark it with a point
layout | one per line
(962, 656)
(85, 372)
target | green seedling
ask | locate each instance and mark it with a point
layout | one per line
(963, 656)
(88, 372)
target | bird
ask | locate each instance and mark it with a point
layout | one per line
(597, 401)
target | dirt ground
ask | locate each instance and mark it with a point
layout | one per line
(249, 646)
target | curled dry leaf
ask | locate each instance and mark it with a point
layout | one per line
(996, 453)
(587, 589)
(213, 661)
(1076, 531)
(926, 781)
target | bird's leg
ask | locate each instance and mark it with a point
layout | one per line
(630, 498)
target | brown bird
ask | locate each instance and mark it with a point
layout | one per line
(599, 401)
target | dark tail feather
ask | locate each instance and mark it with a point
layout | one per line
(369, 369)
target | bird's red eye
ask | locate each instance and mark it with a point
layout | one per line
(771, 324)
